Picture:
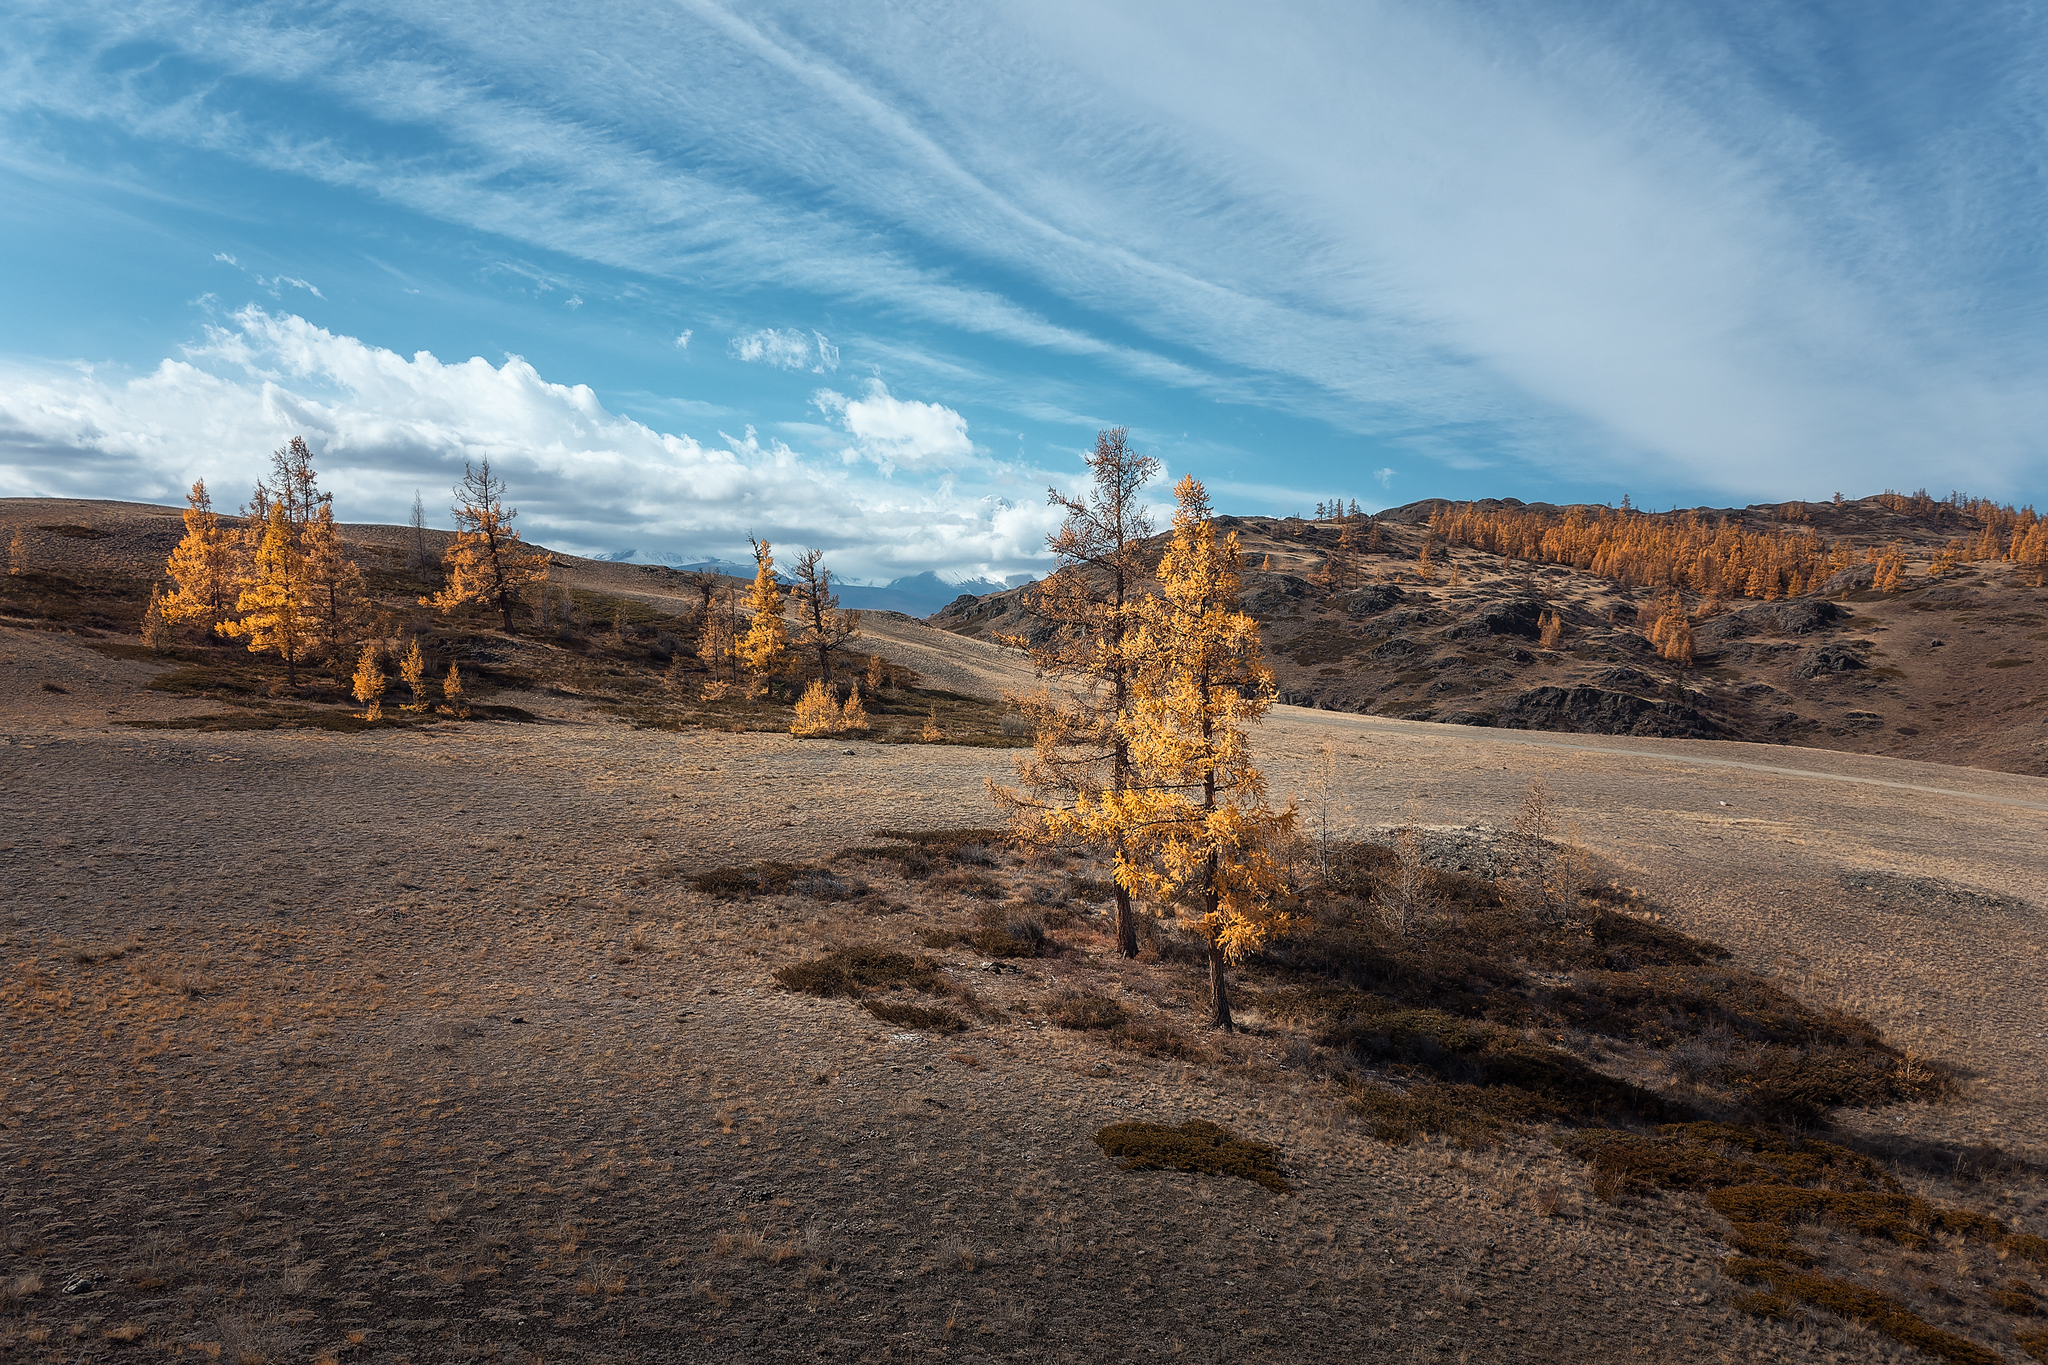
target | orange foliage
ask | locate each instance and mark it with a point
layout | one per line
(1671, 632)
(1676, 550)
(1713, 555)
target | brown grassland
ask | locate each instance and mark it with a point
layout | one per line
(609, 1025)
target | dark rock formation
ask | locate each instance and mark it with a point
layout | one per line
(1596, 711)
(1825, 660)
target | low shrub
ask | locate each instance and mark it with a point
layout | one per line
(1003, 934)
(1863, 1304)
(1083, 1010)
(2015, 1296)
(929, 1018)
(1476, 1059)
(1155, 1038)
(1470, 1115)
(1197, 1145)
(777, 879)
(855, 971)
(964, 882)
(1093, 890)
(1764, 1304)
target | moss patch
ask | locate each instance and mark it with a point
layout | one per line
(1197, 1145)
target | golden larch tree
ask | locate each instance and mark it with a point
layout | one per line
(206, 565)
(764, 649)
(487, 562)
(1089, 609)
(1671, 632)
(853, 717)
(1195, 825)
(334, 585)
(369, 681)
(272, 606)
(412, 666)
(451, 690)
(816, 712)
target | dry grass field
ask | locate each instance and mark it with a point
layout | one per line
(435, 1041)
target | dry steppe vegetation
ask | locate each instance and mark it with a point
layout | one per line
(588, 1034)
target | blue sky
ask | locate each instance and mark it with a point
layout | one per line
(870, 278)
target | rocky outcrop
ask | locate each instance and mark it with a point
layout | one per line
(1274, 594)
(1368, 601)
(1826, 660)
(1586, 710)
(1855, 578)
(1801, 616)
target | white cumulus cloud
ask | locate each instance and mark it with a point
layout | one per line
(586, 479)
(897, 433)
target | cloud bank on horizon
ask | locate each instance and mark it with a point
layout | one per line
(1384, 251)
(584, 476)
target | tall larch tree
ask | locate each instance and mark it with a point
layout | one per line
(272, 606)
(1197, 813)
(718, 638)
(1090, 606)
(206, 565)
(764, 649)
(823, 627)
(487, 562)
(334, 586)
(418, 559)
(297, 485)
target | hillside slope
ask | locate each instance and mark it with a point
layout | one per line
(1946, 670)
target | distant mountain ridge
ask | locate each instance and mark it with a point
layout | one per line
(914, 595)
